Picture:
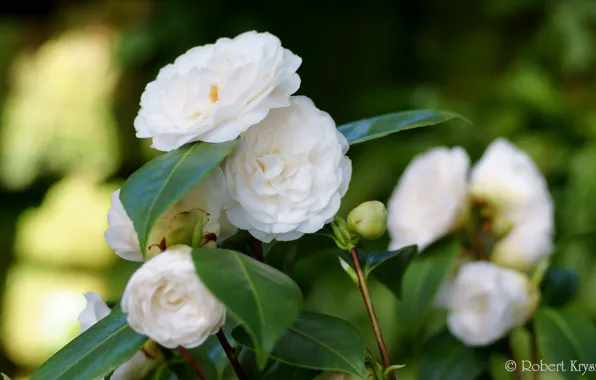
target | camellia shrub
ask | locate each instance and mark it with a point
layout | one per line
(243, 153)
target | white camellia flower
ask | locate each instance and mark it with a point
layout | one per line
(141, 363)
(428, 198)
(288, 173)
(206, 199)
(510, 185)
(487, 301)
(166, 301)
(215, 92)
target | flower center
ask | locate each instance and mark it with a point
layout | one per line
(214, 94)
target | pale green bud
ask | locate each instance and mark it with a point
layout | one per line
(369, 220)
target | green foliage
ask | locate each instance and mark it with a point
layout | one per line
(160, 183)
(261, 298)
(424, 278)
(95, 353)
(446, 358)
(564, 337)
(389, 266)
(380, 126)
(318, 341)
(185, 371)
(284, 371)
(558, 287)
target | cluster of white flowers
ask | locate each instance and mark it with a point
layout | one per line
(437, 196)
(286, 177)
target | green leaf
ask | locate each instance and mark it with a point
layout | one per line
(163, 373)
(424, 277)
(319, 342)
(564, 337)
(261, 298)
(558, 287)
(389, 266)
(96, 352)
(380, 126)
(284, 371)
(446, 358)
(184, 370)
(163, 181)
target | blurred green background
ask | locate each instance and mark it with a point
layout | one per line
(71, 75)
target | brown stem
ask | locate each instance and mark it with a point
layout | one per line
(371, 312)
(195, 364)
(229, 350)
(257, 250)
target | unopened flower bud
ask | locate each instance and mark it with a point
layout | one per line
(368, 220)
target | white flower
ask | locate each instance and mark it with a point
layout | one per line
(166, 301)
(215, 92)
(428, 198)
(511, 186)
(288, 174)
(487, 301)
(141, 363)
(206, 198)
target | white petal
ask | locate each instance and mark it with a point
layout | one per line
(428, 198)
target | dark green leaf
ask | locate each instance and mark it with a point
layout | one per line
(261, 298)
(248, 362)
(96, 352)
(161, 182)
(163, 373)
(564, 337)
(446, 358)
(185, 371)
(320, 342)
(558, 287)
(394, 265)
(284, 371)
(424, 277)
(380, 126)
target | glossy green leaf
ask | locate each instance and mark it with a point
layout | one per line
(161, 182)
(380, 126)
(446, 358)
(96, 352)
(389, 266)
(319, 342)
(558, 287)
(284, 371)
(564, 337)
(424, 277)
(261, 298)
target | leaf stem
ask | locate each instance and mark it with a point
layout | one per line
(257, 250)
(193, 362)
(371, 312)
(229, 350)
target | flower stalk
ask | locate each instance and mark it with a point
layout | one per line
(231, 354)
(363, 286)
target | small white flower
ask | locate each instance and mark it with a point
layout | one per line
(140, 364)
(511, 186)
(487, 301)
(166, 301)
(207, 198)
(429, 197)
(288, 174)
(215, 92)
